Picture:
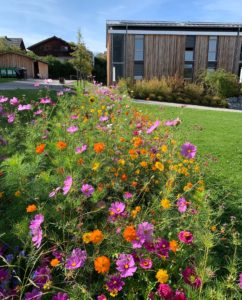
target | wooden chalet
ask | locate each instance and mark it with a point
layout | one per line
(52, 46)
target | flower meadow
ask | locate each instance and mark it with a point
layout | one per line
(99, 201)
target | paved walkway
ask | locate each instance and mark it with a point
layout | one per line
(33, 84)
(185, 105)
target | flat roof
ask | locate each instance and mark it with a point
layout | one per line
(173, 24)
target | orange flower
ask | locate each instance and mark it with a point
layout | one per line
(173, 245)
(99, 147)
(61, 145)
(96, 236)
(31, 208)
(137, 141)
(17, 194)
(80, 161)
(54, 262)
(129, 233)
(102, 264)
(124, 177)
(40, 148)
(134, 183)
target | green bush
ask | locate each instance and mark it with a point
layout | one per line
(221, 83)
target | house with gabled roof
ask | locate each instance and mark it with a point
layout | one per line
(54, 46)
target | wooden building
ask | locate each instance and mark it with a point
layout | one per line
(17, 43)
(154, 49)
(52, 46)
(34, 68)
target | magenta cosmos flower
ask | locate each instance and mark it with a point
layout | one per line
(3, 99)
(165, 291)
(127, 195)
(175, 122)
(179, 295)
(41, 276)
(103, 118)
(185, 237)
(61, 296)
(162, 248)
(153, 127)
(87, 190)
(188, 150)
(145, 263)
(67, 185)
(102, 297)
(11, 118)
(190, 277)
(126, 265)
(72, 129)
(182, 205)
(114, 284)
(240, 280)
(36, 231)
(76, 259)
(45, 101)
(145, 231)
(34, 295)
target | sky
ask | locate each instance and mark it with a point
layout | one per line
(36, 20)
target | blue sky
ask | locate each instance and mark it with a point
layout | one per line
(35, 20)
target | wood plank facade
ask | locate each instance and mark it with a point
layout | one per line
(16, 60)
(167, 50)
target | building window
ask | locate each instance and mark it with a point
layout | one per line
(189, 57)
(139, 57)
(211, 66)
(188, 71)
(212, 48)
(118, 56)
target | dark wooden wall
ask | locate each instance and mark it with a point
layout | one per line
(201, 54)
(164, 55)
(226, 52)
(129, 61)
(109, 59)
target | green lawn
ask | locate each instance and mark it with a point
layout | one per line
(28, 94)
(3, 80)
(218, 136)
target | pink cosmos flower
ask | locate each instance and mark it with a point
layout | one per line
(116, 208)
(81, 149)
(74, 117)
(67, 185)
(128, 195)
(24, 107)
(190, 277)
(126, 265)
(33, 295)
(11, 118)
(72, 129)
(145, 263)
(103, 118)
(76, 259)
(36, 84)
(36, 231)
(54, 192)
(153, 127)
(45, 101)
(145, 231)
(165, 291)
(87, 190)
(175, 122)
(185, 237)
(14, 101)
(3, 99)
(188, 150)
(182, 205)
(38, 112)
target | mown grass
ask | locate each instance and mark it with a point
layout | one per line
(3, 80)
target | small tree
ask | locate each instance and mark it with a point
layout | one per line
(82, 58)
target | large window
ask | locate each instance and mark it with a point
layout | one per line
(118, 56)
(189, 56)
(139, 57)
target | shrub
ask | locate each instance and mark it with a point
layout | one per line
(193, 91)
(221, 83)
